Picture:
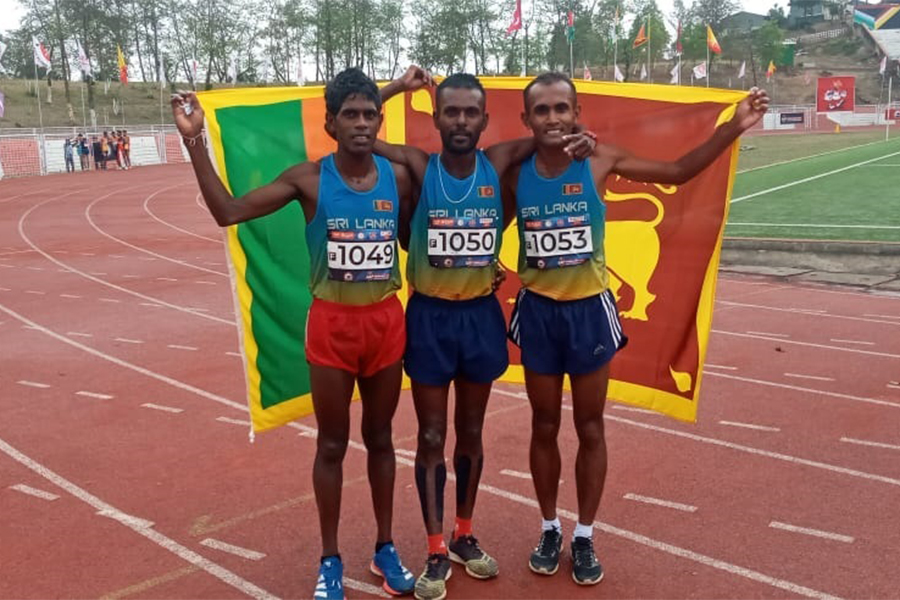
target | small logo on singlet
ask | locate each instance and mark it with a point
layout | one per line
(572, 189)
(384, 205)
(485, 191)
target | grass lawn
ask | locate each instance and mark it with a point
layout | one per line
(828, 197)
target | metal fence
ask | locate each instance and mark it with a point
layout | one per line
(27, 152)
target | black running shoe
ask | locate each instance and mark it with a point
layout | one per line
(432, 583)
(586, 569)
(545, 558)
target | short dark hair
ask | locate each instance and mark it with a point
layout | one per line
(461, 81)
(350, 82)
(549, 78)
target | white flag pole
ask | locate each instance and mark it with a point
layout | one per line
(887, 122)
(37, 89)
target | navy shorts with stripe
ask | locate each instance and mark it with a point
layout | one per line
(574, 337)
(450, 338)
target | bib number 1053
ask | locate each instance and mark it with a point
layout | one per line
(561, 247)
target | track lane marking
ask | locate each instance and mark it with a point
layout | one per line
(30, 491)
(657, 502)
(813, 532)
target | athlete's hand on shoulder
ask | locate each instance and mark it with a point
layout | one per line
(751, 109)
(580, 145)
(188, 114)
(415, 78)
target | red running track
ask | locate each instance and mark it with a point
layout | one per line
(124, 456)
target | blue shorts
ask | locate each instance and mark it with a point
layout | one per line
(574, 337)
(450, 338)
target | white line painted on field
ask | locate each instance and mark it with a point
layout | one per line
(6, 266)
(110, 300)
(814, 226)
(634, 537)
(146, 258)
(516, 474)
(115, 255)
(94, 395)
(860, 342)
(232, 421)
(205, 282)
(809, 344)
(79, 334)
(238, 354)
(5, 289)
(166, 279)
(767, 334)
(807, 390)
(97, 273)
(882, 316)
(232, 549)
(175, 227)
(34, 384)
(69, 296)
(633, 409)
(886, 165)
(151, 304)
(726, 367)
(893, 386)
(130, 276)
(126, 519)
(749, 426)
(400, 451)
(812, 178)
(812, 377)
(30, 327)
(35, 268)
(766, 453)
(36, 292)
(813, 532)
(128, 341)
(868, 443)
(163, 408)
(154, 536)
(658, 502)
(27, 489)
(180, 347)
(793, 160)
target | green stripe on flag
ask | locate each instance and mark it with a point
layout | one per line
(259, 143)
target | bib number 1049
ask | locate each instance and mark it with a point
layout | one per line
(361, 259)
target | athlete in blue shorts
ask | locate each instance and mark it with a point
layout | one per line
(565, 320)
(456, 331)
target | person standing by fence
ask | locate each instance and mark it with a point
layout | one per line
(68, 148)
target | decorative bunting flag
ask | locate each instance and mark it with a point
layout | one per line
(587, 73)
(711, 42)
(700, 71)
(641, 38)
(516, 23)
(742, 72)
(123, 66)
(618, 74)
(771, 70)
(41, 56)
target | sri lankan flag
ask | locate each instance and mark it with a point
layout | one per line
(662, 241)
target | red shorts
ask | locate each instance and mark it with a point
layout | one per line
(359, 339)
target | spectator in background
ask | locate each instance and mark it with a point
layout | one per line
(97, 146)
(83, 152)
(114, 148)
(68, 149)
(104, 149)
(126, 152)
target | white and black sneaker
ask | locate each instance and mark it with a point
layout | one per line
(545, 558)
(586, 569)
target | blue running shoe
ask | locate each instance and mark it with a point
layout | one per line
(398, 581)
(330, 585)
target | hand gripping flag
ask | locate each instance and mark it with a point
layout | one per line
(123, 66)
(41, 56)
(662, 241)
(711, 42)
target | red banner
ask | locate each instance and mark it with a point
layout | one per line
(835, 94)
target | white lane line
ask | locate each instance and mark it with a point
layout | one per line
(634, 537)
(109, 300)
(726, 367)
(793, 160)
(166, 279)
(749, 426)
(94, 395)
(400, 451)
(126, 519)
(58, 251)
(213, 263)
(175, 227)
(36, 292)
(812, 178)
(658, 502)
(882, 316)
(766, 453)
(6, 266)
(151, 304)
(5, 289)
(812, 377)
(860, 342)
(765, 333)
(97, 273)
(205, 282)
(868, 443)
(809, 344)
(154, 536)
(128, 341)
(233, 421)
(35, 268)
(837, 537)
(30, 327)
(814, 226)
(69, 296)
(27, 240)
(170, 409)
(33, 384)
(823, 315)
(516, 474)
(180, 347)
(231, 549)
(807, 390)
(27, 489)
(79, 334)
(129, 276)
(115, 255)
(238, 354)
(893, 386)
(199, 309)
(87, 254)
(631, 409)
(146, 258)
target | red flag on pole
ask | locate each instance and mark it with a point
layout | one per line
(678, 47)
(641, 38)
(516, 20)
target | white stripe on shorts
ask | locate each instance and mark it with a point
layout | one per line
(612, 318)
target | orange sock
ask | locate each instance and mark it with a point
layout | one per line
(436, 544)
(463, 527)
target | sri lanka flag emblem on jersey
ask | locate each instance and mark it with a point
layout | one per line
(572, 189)
(485, 191)
(384, 205)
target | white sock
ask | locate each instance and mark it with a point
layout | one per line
(548, 525)
(584, 531)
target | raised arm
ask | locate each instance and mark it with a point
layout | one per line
(504, 155)
(225, 208)
(748, 113)
(408, 196)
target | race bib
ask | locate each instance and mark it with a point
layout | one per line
(456, 243)
(363, 255)
(558, 242)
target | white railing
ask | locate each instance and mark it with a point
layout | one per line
(823, 35)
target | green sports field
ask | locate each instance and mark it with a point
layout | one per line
(834, 186)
